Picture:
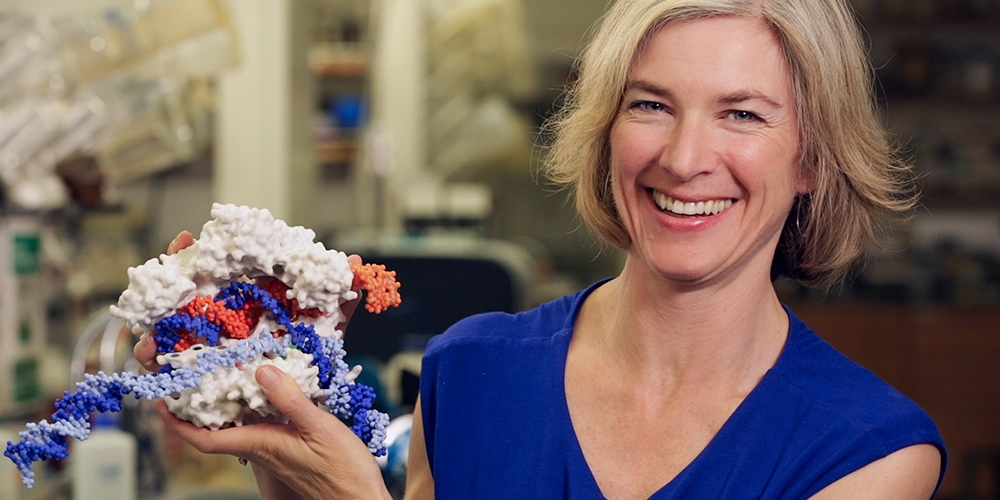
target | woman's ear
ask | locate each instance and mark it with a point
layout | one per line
(806, 182)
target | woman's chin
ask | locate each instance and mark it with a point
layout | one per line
(689, 275)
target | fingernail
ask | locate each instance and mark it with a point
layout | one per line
(267, 378)
(143, 340)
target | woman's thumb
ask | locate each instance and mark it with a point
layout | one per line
(286, 395)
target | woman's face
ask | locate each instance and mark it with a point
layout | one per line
(704, 148)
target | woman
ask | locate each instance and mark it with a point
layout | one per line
(719, 143)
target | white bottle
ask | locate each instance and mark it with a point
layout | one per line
(103, 466)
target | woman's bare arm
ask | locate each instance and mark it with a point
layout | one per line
(419, 482)
(908, 474)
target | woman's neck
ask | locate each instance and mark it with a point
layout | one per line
(670, 336)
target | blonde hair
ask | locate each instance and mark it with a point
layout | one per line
(860, 182)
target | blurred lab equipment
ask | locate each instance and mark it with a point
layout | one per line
(445, 276)
(446, 75)
(22, 315)
(128, 87)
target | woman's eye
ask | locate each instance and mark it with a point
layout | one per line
(649, 106)
(743, 116)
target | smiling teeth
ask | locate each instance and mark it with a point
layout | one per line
(710, 207)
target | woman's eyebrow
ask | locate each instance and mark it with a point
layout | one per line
(741, 96)
(647, 86)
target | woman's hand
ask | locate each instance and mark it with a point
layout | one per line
(316, 455)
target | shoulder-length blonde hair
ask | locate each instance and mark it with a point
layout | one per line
(860, 182)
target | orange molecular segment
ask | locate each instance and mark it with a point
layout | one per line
(236, 323)
(186, 340)
(382, 287)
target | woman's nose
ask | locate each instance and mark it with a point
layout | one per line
(688, 149)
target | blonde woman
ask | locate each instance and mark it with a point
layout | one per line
(719, 143)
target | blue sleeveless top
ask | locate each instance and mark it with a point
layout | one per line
(496, 422)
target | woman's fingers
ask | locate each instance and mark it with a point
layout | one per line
(317, 429)
(355, 259)
(183, 240)
(315, 454)
(263, 441)
(145, 353)
(286, 395)
(348, 308)
(245, 441)
(186, 431)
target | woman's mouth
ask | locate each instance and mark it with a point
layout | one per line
(667, 204)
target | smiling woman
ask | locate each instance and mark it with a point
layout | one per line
(719, 143)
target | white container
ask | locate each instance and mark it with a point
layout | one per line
(103, 466)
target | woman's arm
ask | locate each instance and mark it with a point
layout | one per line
(419, 482)
(908, 474)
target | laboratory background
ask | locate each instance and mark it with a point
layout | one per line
(407, 131)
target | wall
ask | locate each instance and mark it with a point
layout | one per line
(558, 27)
(61, 7)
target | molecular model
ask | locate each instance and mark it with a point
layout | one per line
(251, 291)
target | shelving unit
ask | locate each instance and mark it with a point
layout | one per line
(938, 68)
(339, 59)
(938, 64)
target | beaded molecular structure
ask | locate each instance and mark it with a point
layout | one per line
(251, 291)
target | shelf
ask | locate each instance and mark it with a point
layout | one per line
(964, 195)
(334, 151)
(984, 24)
(334, 62)
(939, 103)
(928, 14)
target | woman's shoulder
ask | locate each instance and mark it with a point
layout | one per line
(843, 390)
(826, 416)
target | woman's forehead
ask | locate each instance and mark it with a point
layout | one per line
(730, 53)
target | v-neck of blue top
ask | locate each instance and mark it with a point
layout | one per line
(497, 424)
